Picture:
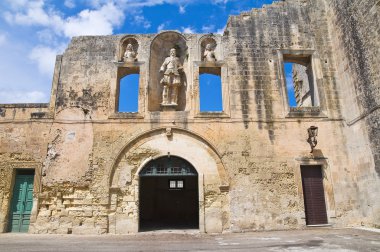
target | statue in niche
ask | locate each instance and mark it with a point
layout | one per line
(209, 54)
(171, 81)
(130, 54)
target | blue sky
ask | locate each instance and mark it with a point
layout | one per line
(33, 32)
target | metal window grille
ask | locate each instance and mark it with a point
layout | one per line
(168, 167)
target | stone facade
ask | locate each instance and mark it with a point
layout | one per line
(87, 156)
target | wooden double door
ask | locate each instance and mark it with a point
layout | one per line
(22, 201)
(164, 208)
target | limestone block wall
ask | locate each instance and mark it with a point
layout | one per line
(23, 145)
(354, 29)
(86, 73)
(355, 25)
(257, 41)
(15, 112)
(301, 26)
(248, 157)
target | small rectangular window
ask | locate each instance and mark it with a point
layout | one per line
(128, 93)
(300, 84)
(210, 85)
(172, 184)
(180, 184)
(176, 184)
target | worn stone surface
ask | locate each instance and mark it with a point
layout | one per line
(315, 240)
(87, 156)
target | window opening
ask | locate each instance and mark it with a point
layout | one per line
(172, 184)
(176, 184)
(128, 93)
(300, 84)
(179, 183)
(290, 84)
(210, 85)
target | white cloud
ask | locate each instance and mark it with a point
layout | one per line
(139, 3)
(182, 9)
(96, 3)
(11, 96)
(34, 14)
(208, 28)
(45, 58)
(221, 30)
(16, 4)
(141, 21)
(69, 4)
(94, 22)
(88, 22)
(211, 29)
(37, 62)
(20, 76)
(3, 39)
(289, 81)
(47, 36)
(188, 29)
(161, 27)
(220, 1)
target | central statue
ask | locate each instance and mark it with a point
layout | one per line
(172, 78)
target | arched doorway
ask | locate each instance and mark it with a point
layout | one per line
(136, 156)
(168, 195)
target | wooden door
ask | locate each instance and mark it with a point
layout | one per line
(22, 203)
(314, 196)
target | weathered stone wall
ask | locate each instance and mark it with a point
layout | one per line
(354, 29)
(86, 74)
(14, 112)
(22, 146)
(248, 157)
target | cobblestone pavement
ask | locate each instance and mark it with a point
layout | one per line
(323, 239)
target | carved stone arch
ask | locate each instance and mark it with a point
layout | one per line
(124, 41)
(159, 50)
(212, 177)
(208, 39)
(144, 137)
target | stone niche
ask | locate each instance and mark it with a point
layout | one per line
(128, 40)
(160, 49)
(210, 42)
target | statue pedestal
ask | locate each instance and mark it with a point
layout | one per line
(168, 107)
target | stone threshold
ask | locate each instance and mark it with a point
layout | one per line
(320, 225)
